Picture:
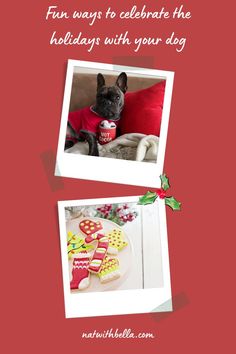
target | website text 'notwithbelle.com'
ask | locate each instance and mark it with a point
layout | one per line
(117, 333)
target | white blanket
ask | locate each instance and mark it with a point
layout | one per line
(135, 146)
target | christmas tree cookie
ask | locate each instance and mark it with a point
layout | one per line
(116, 241)
(76, 244)
(80, 274)
(109, 270)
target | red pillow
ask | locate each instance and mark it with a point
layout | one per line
(143, 110)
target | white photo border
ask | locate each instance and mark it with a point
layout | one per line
(126, 301)
(109, 169)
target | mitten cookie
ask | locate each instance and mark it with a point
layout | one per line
(116, 241)
(89, 227)
(109, 270)
(99, 253)
(80, 274)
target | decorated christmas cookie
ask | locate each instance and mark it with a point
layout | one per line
(89, 227)
(99, 253)
(76, 244)
(116, 241)
(109, 270)
(80, 274)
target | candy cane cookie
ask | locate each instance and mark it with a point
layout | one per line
(99, 253)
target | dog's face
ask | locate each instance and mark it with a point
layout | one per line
(110, 99)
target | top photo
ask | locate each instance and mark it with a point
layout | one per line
(114, 123)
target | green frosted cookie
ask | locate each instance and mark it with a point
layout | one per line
(109, 270)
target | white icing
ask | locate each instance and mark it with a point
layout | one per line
(110, 276)
(96, 262)
(103, 239)
(82, 255)
(80, 262)
(101, 250)
(83, 284)
(80, 267)
(112, 250)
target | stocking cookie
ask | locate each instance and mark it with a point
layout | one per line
(109, 270)
(80, 274)
(89, 227)
(99, 253)
(116, 241)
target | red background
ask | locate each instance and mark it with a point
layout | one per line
(198, 162)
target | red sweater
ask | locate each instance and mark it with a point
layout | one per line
(86, 119)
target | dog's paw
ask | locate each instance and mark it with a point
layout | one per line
(94, 152)
(68, 144)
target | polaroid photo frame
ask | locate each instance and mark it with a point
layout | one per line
(110, 169)
(153, 293)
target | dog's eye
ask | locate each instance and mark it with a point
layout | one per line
(117, 97)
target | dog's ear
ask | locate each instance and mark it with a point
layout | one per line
(100, 81)
(121, 82)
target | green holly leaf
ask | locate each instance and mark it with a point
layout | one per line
(172, 203)
(164, 182)
(147, 198)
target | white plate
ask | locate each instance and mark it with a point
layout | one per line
(124, 256)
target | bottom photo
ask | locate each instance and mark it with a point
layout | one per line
(114, 257)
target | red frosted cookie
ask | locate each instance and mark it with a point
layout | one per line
(80, 274)
(99, 253)
(89, 227)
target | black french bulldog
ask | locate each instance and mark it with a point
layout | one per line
(83, 124)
